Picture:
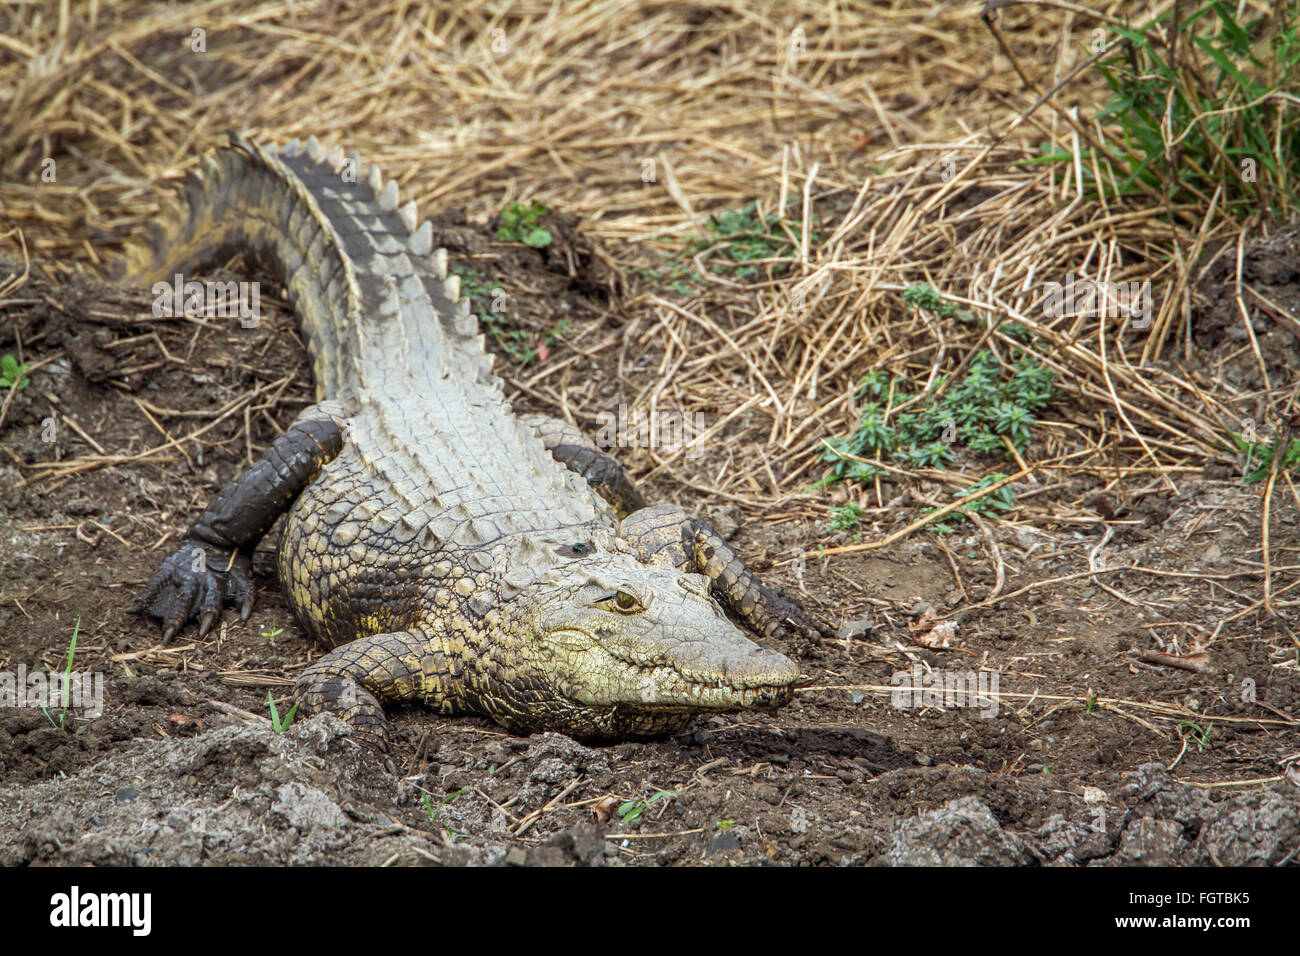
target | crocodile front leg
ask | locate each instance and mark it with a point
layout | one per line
(352, 680)
(210, 570)
(669, 537)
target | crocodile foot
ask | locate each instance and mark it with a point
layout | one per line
(196, 582)
(791, 618)
(666, 536)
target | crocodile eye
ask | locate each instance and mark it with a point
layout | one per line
(624, 602)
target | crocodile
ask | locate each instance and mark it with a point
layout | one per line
(443, 549)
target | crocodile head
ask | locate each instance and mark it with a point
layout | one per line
(624, 650)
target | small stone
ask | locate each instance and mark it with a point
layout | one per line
(857, 697)
(924, 760)
(125, 795)
(516, 856)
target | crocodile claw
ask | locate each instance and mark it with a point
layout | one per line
(196, 582)
(795, 620)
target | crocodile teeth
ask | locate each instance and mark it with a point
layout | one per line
(376, 180)
(355, 159)
(422, 240)
(409, 216)
(290, 149)
(440, 262)
(334, 158)
(452, 286)
(388, 198)
(314, 149)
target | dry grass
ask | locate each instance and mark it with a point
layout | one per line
(901, 128)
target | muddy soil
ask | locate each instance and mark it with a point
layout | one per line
(1092, 751)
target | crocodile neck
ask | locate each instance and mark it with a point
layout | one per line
(387, 337)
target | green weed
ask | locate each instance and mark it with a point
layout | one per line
(920, 431)
(278, 725)
(1202, 736)
(13, 374)
(67, 678)
(633, 810)
(522, 345)
(739, 244)
(521, 222)
(1197, 105)
(1263, 453)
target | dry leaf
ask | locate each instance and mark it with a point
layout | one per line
(603, 809)
(941, 635)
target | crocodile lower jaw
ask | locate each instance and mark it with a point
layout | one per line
(663, 687)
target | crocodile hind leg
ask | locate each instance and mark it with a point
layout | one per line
(575, 451)
(352, 680)
(669, 537)
(210, 569)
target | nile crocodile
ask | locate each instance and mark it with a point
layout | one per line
(446, 549)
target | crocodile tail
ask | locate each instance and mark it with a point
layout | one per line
(349, 257)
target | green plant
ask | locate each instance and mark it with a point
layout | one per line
(990, 402)
(12, 373)
(845, 517)
(1202, 737)
(633, 810)
(1264, 453)
(278, 725)
(982, 502)
(737, 243)
(520, 222)
(67, 678)
(435, 813)
(522, 345)
(921, 295)
(725, 825)
(1197, 106)
(272, 635)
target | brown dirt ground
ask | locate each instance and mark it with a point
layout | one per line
(77, 547)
